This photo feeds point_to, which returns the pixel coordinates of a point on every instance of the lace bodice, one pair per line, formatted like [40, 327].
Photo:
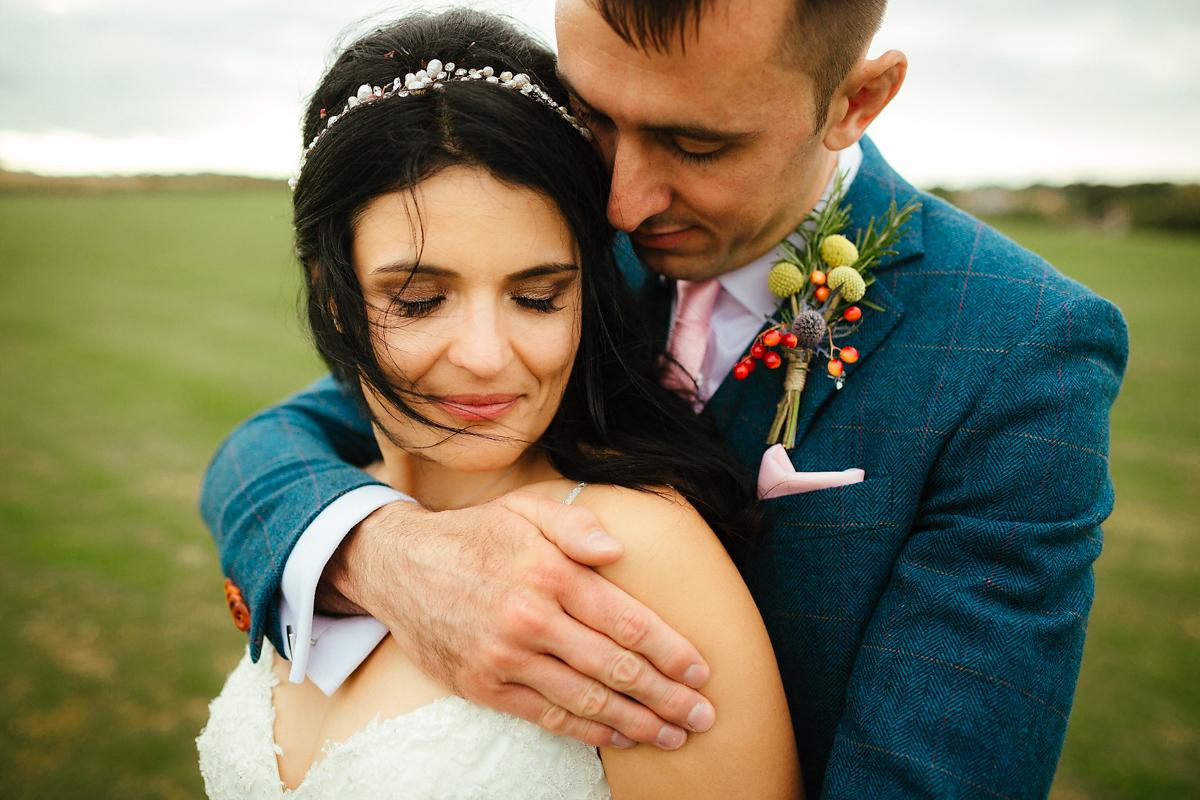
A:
[446, 750]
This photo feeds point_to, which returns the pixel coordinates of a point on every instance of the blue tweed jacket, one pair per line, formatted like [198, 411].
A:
[929, 621]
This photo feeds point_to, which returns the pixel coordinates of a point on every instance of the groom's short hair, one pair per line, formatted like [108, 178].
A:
[825, 39]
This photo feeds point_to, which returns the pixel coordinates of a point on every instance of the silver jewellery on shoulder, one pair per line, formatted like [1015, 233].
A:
[435, 76]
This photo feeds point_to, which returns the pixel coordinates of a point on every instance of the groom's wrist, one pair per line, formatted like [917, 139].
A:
[357, 574]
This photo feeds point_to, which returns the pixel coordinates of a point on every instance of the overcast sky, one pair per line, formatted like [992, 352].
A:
[1011, 92]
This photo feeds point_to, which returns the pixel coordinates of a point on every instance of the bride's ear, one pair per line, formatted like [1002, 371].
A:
[331, 310]
[864, 93]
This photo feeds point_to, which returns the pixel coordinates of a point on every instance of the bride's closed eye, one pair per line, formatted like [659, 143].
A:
[543, 301]
[416, 307]
[544, 305]
[543, 296]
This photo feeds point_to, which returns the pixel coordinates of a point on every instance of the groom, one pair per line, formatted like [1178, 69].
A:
[928, 621]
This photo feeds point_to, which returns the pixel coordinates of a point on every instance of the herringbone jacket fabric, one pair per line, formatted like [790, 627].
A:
[929, 621]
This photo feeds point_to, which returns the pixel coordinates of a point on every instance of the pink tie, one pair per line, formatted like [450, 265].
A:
[689, 335]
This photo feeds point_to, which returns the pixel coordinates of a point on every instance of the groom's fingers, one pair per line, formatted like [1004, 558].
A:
[523, 702]
[607, 609]
[582, 698]
[598, 603]
[627, 674]
[573, 529]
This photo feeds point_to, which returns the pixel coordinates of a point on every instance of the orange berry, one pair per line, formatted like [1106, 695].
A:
[849, 355]
[822, 294]
[772, 337]
[772, 360]
[835, 368]
[852, 314]
[817, 278]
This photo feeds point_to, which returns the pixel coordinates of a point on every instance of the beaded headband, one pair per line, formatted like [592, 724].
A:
[435, 76]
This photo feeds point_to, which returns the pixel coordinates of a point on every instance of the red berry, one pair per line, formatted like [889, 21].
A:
[772, 360]
[790, 340]
[757, 350]
[852, 314]
[817, 278]
[741, 371]
[772, 337]
[835, 368]
[849, 355]
[822, 294]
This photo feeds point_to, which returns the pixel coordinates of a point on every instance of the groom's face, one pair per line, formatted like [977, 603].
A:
[714, 146]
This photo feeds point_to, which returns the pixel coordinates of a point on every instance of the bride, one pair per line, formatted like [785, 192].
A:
[449, 217]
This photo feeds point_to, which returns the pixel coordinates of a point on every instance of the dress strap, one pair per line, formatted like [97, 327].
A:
[570, 498]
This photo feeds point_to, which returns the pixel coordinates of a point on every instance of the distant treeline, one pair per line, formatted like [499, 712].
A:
[1153, 205]
[29, 181]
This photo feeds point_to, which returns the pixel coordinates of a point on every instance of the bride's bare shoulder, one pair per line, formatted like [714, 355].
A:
[635, 517]
[675, 565]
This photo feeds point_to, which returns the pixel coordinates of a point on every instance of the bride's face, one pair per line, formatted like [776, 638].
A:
[473, 294]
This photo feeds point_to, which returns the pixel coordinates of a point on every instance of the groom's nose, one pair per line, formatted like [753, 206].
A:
[639, 187]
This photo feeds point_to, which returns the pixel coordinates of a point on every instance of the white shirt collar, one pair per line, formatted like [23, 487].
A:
[748, 284]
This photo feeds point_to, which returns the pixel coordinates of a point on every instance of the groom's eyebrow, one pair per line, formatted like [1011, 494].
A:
[697, 132]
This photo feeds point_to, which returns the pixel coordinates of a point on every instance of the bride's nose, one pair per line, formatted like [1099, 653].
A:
[480, 343]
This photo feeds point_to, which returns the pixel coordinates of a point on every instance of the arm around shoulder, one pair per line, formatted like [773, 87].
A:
[675, 565]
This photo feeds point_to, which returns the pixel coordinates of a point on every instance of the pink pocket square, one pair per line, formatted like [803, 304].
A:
[778, 478]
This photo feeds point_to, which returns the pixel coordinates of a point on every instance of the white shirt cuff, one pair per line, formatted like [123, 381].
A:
[348, 640]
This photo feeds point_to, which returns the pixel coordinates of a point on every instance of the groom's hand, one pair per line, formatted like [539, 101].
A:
[498, 602]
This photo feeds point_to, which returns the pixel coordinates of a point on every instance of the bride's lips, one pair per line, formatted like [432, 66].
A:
[664, 240]
[477, 406]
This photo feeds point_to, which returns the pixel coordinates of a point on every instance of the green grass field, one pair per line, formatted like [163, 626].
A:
[137, 329]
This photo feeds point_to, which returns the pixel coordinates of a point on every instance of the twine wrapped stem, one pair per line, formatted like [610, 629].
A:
[787, 413]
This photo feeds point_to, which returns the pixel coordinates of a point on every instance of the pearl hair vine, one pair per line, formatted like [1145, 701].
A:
[434, 76]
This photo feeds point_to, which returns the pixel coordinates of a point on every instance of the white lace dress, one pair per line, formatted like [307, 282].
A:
[450, 749]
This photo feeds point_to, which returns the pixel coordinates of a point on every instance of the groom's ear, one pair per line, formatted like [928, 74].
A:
[867, 90]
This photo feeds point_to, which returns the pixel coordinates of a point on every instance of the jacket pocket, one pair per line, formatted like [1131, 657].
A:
[836, 511]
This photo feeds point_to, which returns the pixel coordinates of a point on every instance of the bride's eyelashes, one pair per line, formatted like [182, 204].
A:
[417, 308]
[543, 300]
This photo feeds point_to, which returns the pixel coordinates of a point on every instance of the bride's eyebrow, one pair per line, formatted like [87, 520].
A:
[539, 271]
[543, 270]
[414, 268]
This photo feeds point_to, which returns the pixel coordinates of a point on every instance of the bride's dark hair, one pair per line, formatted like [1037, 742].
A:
[616, 424]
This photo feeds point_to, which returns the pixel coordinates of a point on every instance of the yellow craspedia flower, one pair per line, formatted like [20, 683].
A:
[838, 251]
[847, 281]
[785, 279]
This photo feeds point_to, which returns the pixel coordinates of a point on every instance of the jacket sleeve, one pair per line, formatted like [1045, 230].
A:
[268, 481]
[963, 684]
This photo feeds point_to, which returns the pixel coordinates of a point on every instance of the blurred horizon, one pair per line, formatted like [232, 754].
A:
[1080, 92]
